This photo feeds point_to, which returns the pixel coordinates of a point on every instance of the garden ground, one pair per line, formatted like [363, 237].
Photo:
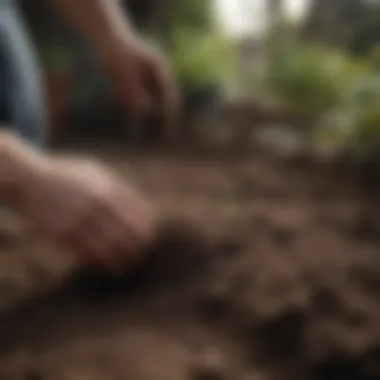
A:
[267, 270]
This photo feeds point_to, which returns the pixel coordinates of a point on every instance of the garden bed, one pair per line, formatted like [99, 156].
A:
[274, 274]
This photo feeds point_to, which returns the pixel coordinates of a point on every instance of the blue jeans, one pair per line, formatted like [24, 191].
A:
[21, 94]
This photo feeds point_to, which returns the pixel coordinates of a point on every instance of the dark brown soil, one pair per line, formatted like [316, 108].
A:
[264, 272]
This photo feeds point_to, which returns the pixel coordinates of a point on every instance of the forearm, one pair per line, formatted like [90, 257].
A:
[103, 23]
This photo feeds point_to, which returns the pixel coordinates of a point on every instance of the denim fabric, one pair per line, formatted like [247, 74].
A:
[21, 96]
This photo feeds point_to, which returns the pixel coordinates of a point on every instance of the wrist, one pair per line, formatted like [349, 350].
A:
[118, 34]
[117, 50]
[103, 23]
[19, 164]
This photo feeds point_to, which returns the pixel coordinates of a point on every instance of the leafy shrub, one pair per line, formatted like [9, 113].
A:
[186, 30]
[356, 123]
[310, 79]
[201, 59]
[339, 93]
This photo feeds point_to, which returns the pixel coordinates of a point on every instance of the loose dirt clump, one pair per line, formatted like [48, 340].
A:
[257, 279]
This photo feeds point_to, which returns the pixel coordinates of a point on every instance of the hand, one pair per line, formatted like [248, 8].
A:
[85, 207]
[140, 75]
[144, 84]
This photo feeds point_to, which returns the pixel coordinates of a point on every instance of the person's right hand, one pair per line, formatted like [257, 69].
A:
[84, 206]
[144, 84]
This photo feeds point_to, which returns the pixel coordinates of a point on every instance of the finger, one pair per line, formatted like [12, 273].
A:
[125, 247]
[88, 244]
[164, 88]
[129, 223]
[123, 242]
[165, 96]
[133, 94]
[124, 225]
[104, 251]
[138, 216]
[87, 239]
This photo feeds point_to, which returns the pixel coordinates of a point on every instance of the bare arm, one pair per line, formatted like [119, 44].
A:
[141, 78]
[103, 23]
[68, 198]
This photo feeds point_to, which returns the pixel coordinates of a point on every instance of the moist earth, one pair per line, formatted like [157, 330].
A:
[261, 270]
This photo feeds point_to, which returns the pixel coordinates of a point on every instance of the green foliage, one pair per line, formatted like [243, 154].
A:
[339, 93]
[186, 30]
[311, 80]
[356, 124]
[201, 59]
[175, 15]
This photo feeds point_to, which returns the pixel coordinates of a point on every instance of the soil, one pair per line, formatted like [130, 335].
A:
[261, 271]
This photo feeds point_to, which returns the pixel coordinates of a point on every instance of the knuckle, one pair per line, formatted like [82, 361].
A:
[102, 196]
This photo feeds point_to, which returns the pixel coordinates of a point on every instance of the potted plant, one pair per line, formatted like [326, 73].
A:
[57, 71]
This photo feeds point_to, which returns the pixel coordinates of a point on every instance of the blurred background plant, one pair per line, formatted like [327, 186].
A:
[311, 79]
[323, 67]
[201, 56]
[335, 87]
[355, 124]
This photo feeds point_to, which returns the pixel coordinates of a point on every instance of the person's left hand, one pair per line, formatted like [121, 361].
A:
[82, 205]
[144, 84]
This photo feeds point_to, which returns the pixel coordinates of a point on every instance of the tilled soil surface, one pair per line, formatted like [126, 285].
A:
[261, 272]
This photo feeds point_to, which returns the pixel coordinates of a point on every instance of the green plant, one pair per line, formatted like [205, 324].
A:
[355, 124]
[339, 94]
[201, 59]
[310, 79]
[174, 16]
[186, 30]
